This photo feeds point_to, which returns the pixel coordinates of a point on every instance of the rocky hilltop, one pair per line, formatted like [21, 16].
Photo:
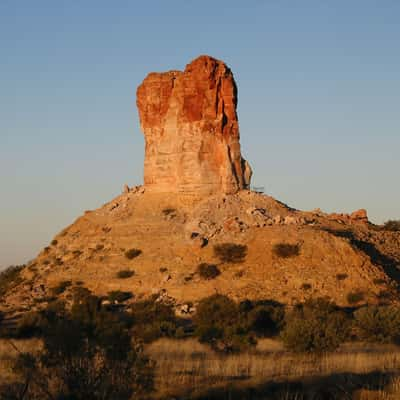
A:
[196, 209]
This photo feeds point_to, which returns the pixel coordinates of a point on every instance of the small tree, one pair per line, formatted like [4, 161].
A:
[392, 225]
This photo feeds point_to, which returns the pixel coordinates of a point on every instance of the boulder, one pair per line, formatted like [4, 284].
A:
[359, 216]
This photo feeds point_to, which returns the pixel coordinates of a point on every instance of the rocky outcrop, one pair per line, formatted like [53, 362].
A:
[191, 130]
[356, 217]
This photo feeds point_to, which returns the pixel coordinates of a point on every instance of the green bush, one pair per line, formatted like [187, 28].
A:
[230, 252]
[286, 250]
[125, 273]
[60, 288]
[315, 326]
[208, 271]
[392, 225]
[132, 253]
[355, 297]
[118, 296]
[378, 323]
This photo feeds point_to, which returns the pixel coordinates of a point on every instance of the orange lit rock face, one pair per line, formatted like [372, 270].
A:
[191, 130]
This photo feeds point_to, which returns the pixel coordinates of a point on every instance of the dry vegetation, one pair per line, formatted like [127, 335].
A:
[192, 369]
[188, 369]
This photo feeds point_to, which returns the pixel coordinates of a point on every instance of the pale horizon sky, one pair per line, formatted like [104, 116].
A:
[319, 99]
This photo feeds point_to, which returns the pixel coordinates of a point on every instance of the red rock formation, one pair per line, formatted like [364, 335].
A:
[191, 130]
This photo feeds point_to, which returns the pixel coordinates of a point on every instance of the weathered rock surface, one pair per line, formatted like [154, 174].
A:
[191, 130]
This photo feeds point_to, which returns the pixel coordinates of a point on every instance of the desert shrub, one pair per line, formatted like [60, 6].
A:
[315, 326]
[132, 253]
[54, 242]
[286, 250]
[60, 288]
[10, 278]
[77, 253]
[87, 354]
[341, 277]
[80, 293]
[355, 297]
[230, 252]
[58, 261]
[220, 324]
[153, 319]
[379, 281]
[385, 295]
[169, 212]
[99, 247]
[378, 323]
[118, 296]
[125, 273]
[265, 320]
[306, 286]
[163, 269]
[392, 225]
[208, 271]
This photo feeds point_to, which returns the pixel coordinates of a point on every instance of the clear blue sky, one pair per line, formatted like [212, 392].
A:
[319, 101]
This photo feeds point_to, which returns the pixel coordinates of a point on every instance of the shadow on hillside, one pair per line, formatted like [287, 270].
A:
[389, 264]
[342, 386]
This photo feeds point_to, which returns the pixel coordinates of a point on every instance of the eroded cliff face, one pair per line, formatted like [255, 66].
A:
[191, 130]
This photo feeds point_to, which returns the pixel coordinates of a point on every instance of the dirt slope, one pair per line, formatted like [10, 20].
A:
[177, 233]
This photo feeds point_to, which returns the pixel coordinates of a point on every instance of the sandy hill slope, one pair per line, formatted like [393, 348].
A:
[176, 233]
